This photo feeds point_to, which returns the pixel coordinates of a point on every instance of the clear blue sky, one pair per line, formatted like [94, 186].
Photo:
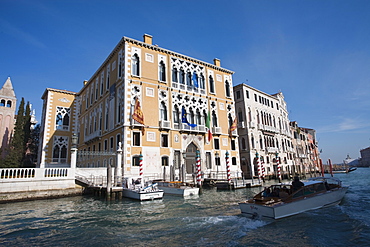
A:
[316, 52]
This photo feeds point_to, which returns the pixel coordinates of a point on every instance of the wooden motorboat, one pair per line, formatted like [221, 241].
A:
[282, 200]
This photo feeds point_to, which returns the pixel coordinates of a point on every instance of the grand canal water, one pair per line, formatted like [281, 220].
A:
[212, 219]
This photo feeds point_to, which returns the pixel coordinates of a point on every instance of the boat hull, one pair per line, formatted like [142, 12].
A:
[181, 191]
[281, 210]
[142, 195]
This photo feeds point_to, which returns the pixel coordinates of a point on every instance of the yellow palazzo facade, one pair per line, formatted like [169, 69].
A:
[177, 94]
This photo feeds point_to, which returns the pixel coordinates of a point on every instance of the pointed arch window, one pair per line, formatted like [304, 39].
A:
[195, 79]
[135, 65]
[182, 76]
[230, 120]
[62, 118]
[188, 78]
[199, 118]
[201, 81]
[261, 143]
[175, 75]
[102, 83]
[60, 149]
[227, 89]
[176, 114]
[162, 71]
[211, 85]
[163, 110]
[108, 80]
[214, 119]
[192, 116]
[96, 88]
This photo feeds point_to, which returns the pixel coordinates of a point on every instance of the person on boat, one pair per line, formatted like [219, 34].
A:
[297, 184]
[266, 192]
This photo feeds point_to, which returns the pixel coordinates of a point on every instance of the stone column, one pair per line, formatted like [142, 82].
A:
[119, 163]
[73, 157]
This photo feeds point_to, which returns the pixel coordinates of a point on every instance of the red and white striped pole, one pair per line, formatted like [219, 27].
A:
[278, 166]
[199, 175]
[141, 166]
[258, 167]
[228, 167]
[322, 168]
[263, 170]
[331, 168]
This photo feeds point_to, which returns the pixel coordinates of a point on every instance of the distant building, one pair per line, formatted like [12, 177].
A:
[306, 157]
[8, 102]
[365, 157]
[264, 132]
[161, 105]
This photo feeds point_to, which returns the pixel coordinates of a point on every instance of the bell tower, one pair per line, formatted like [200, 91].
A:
[8, 103]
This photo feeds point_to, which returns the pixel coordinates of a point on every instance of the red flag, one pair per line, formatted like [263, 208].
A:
[232, 127]
[138, 115]
[208, 125]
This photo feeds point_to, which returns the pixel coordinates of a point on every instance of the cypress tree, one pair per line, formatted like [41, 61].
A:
[17, 147]
[27, 157]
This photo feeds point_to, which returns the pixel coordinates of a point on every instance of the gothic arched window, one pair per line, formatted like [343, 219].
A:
[135, 65]
[162, 71]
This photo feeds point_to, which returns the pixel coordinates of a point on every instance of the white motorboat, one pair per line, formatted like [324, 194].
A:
[282, 200]
[177, 188]
[134, 189]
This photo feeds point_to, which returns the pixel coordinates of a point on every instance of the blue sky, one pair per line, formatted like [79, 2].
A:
[316, 52]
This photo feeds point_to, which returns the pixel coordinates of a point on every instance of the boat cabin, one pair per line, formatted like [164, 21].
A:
[287, 193]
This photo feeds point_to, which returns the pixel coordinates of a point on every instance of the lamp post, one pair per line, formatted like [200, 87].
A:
[74, 140]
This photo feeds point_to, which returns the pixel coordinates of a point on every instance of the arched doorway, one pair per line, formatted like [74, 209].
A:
[190, 161]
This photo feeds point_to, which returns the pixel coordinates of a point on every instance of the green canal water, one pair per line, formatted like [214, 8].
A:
[212, 219]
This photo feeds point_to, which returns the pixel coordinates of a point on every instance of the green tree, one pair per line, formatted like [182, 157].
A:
[30, 158]
[18, 144]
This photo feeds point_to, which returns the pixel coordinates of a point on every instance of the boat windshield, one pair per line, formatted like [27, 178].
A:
[279, 190]
[329, 180]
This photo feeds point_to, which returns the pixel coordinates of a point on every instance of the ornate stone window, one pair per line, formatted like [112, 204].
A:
[211, 85]
[162, 71]
[60, 147]
[135, 65]
[62, 118]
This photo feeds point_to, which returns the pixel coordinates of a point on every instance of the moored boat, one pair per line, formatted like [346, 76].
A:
[282, 200]
[177, 188]
[134, 189]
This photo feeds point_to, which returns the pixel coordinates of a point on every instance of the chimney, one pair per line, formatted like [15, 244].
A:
[85, 82]
[148, 39]
[217, 62]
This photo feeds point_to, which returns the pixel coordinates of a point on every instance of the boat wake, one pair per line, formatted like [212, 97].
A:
[239, 222]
